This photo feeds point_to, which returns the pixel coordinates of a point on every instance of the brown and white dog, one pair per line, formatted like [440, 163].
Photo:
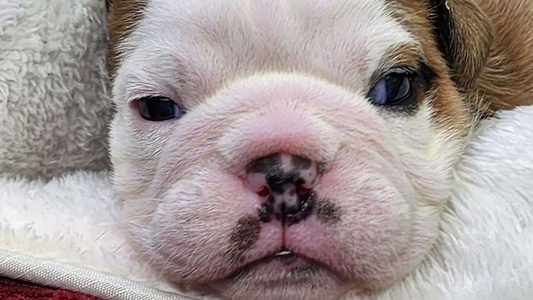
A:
[300, 149]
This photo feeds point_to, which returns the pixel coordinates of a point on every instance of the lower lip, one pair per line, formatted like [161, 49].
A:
[281, 270]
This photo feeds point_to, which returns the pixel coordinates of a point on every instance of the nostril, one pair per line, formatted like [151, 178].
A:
[303, 190]
[264, 192]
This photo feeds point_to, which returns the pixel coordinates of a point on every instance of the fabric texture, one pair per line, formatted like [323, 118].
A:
[84, 277]
[18, 290]
[54, 103]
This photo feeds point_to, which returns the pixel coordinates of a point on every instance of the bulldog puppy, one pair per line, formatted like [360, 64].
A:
[300, 149]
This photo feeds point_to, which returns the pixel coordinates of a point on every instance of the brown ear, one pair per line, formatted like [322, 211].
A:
[465, 35]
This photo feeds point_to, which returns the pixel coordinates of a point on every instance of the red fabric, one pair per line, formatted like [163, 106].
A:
[17, 290]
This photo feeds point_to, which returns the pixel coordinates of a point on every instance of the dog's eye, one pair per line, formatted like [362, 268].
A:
[159, 109]
[394, 89]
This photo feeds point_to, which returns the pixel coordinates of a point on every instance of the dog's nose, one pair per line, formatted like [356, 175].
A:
[286, 183]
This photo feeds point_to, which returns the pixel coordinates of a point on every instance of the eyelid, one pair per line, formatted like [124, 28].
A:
[136, 97]
[409, 70]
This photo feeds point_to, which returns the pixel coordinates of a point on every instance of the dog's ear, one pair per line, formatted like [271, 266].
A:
[464, 34]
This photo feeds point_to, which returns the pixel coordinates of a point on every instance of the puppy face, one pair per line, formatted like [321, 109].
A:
[282, 149]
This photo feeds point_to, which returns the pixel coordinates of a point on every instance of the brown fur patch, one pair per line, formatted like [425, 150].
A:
[404, 54]
[124, 15]
[450, 110]
[492, 60]
[507, 81]
[465, 34]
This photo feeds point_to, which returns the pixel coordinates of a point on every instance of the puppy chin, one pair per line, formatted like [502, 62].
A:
[295, 284]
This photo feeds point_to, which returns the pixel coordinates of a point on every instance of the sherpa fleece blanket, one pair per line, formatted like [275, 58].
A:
[54, 101]
[65, 233]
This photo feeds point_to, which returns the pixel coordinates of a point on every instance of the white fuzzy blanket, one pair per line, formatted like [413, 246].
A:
[54, 103]
[65, 233]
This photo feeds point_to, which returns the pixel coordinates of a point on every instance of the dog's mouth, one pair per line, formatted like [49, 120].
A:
[284, 267]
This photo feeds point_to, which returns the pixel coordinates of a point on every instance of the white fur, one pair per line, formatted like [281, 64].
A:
[483, 252]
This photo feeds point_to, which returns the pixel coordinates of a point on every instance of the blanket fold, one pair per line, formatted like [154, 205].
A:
[51, 273]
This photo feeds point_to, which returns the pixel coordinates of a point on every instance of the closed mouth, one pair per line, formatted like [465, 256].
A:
[284, 267]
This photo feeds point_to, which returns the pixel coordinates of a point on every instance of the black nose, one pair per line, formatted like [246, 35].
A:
[286, 182]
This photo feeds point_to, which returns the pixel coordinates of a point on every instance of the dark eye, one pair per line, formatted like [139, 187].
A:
[395, 89]
[159, 109]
